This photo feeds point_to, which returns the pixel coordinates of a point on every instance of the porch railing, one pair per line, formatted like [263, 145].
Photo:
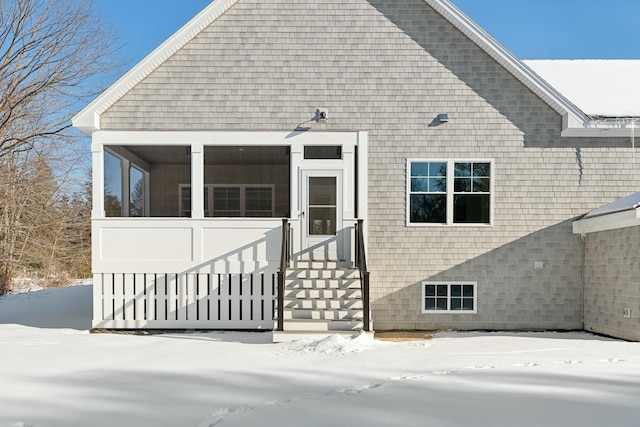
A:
[285, 251]
[361, 264]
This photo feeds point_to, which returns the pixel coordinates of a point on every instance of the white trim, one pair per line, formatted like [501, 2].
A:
[449, 284]
[598, 132]
[248, 138]
[612, 221]
[307, 240]
[88, 120]
[449, 193]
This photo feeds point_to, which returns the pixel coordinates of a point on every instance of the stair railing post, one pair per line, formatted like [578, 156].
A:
[284, 263]
[365, 302]
[361, 264]
[356, 239]
[280, 325]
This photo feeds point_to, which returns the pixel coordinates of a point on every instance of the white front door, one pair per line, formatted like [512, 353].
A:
[321, 220]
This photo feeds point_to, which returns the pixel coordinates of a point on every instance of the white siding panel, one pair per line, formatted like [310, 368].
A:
[146, 244]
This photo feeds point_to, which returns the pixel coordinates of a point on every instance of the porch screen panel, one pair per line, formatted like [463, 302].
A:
[112, 185]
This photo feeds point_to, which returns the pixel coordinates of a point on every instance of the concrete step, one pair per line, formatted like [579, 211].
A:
[323, 283]
[323, 304]
[312, 314]
[292, 294]
[308, 325]
[320, 273]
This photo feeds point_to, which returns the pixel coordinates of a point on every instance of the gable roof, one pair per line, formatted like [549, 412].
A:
[88, 120]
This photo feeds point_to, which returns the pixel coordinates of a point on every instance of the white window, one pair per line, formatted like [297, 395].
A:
[449, 297]
[231, 200]
[449, 192]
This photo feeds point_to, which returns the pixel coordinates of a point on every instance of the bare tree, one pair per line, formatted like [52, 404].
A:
[52, 54]
[49, 52]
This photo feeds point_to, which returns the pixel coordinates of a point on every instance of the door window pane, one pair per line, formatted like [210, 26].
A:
[322, 214]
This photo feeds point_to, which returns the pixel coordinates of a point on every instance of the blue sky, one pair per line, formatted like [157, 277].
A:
[532, 29]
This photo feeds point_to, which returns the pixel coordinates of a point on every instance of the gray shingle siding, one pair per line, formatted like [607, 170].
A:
[389, 67]
[612, 268]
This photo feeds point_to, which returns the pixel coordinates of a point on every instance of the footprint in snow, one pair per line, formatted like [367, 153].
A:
[231, 410]
[445, 372]
[357, 390]
[527, 365]
[569, 362]
[481, 367]
[405, 377]
[280, 402]
[612, 360]
[220, 415]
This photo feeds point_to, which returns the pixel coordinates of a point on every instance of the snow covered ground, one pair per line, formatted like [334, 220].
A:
[54, 373]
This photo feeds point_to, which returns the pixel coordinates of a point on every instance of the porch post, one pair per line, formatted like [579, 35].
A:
[197, 181]
[125, 169]
[295, 193]
[97, 185]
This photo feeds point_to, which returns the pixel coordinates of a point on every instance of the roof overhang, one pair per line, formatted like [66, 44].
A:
[611, 221]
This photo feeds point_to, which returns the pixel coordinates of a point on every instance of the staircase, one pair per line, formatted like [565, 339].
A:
[323, 296]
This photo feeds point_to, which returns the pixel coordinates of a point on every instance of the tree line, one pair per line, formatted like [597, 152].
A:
[52, 54]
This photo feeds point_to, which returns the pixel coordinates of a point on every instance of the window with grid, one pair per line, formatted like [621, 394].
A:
[449, 192]
[256, 200]
[443, 297]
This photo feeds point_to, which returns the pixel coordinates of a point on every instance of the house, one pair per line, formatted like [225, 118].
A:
[281, 150]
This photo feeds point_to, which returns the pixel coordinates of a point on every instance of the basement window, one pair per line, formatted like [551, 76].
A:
[449, 297]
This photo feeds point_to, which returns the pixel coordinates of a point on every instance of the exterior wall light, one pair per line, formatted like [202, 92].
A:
[321, 115]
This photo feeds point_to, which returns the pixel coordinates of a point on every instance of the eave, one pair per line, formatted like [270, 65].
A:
[612, 221]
